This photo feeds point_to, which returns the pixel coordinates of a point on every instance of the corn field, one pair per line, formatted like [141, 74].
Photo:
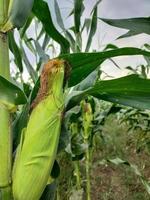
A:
[68, 130]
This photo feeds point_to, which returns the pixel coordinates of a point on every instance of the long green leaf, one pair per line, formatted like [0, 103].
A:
[29, 67]
[58, 15]
[22, 118]
[42, 12]
[84, 63]
[49, 192]
[62, 26]
[26, 26]
[93, 27]
[135, 25]
[16, 51]
[78, 10]
[42, 55]
[10, 94]
[45, 41]
[20, 123]
[129, 90]
[28, 42]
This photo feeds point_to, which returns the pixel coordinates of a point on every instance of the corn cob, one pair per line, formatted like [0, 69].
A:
[38, 147]
[18, 12]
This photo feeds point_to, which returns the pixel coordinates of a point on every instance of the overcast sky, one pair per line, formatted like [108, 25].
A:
[123, 9]
[107, 34]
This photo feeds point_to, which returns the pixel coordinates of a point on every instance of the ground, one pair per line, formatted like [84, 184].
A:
[109, 181]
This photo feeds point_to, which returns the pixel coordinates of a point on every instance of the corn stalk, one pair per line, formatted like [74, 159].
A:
[87, 129]
[5, 133]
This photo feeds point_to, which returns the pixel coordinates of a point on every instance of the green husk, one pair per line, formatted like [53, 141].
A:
[37, 150]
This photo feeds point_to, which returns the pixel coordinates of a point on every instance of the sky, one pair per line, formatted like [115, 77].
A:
[123, 9]
[107, 34]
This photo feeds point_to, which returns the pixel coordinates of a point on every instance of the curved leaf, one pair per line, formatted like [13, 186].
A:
[19, 123]
[49, 192]
[93, 27]
[78, 10]
[135, 25]
[22, 118]
[84, 63]
[129, 90]
[26, 26]
[29, 67]
[58, 15]
[42, 12]
[10, 93]
[16, 51]
[55, 170]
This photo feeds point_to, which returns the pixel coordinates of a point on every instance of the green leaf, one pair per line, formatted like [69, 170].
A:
[16, 51]
[84, 63]
[55, 170]
[28, 42]
[71, 40]
[128, 34]
[78, 10]
[43, 57]
[93, 27]
[129, 90]
[29, 67]
[42, 12]
[45, 41]
[58, 15]
[20, 123]
[22, 118]
[135, 25]
[86, 25]
[49, 192]
[110, 47]
[10, 94]
[62, 26]
[64, 137]
[26, 26]
[88, 81]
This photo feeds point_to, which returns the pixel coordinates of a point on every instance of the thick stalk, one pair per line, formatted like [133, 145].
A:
[4, 56]
[58, 193]
[3, 10]
[77, 174]
[5, 133]
[87, 164]
[87, 130]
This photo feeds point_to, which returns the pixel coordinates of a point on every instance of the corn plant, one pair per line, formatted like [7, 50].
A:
[32, 127]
